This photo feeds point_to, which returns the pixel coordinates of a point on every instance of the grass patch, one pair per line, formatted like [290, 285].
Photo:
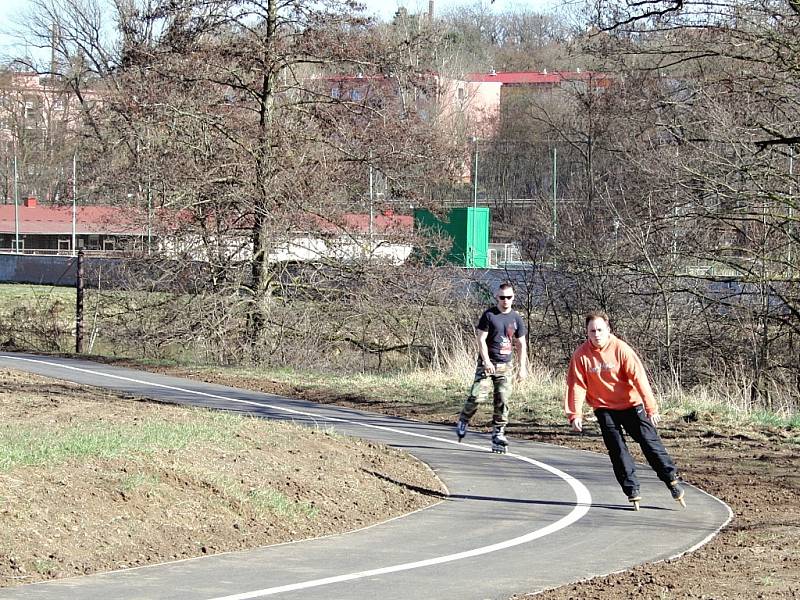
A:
[264, 501]
[269, 500]
[435, 392]
[423, 388]
[538, 399]
[137, 481]
[44, 566]
[29, 445]
[794, 423]
[767, 581]
[18, 294]
[767, 419]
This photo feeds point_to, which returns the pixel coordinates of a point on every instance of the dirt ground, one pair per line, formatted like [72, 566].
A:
[756, 556]
[264, 483]
[754, 470]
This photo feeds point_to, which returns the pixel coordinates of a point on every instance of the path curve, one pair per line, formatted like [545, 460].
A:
[479, 543]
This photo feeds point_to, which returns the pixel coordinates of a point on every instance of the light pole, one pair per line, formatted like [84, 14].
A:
[475, 175]
[16, 204]
[74, 201]
[371, 203]
[555, 192]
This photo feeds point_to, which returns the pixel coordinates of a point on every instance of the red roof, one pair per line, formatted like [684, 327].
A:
[126, 220]
[359, 223]
[380, 223]
[57, 220]
[533, 77]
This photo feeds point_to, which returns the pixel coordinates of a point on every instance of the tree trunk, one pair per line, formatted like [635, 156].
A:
[261, 283]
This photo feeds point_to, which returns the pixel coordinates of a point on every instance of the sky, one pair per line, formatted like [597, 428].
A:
[383, 9]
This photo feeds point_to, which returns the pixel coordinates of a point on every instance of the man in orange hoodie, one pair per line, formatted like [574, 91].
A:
[607, 374]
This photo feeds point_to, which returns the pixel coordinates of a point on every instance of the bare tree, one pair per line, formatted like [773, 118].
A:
[712, 91]
[514, 40]
[241, 126]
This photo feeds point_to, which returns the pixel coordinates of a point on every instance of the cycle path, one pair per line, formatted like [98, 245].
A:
[539, 517]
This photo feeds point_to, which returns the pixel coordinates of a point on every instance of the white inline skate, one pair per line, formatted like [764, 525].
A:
[499, 440]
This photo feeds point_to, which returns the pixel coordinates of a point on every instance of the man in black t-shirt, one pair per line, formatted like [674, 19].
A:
[500, 332]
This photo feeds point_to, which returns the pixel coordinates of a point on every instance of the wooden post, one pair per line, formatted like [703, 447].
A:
[79, 306]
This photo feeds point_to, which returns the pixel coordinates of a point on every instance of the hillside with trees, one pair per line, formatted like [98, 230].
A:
[660, 187]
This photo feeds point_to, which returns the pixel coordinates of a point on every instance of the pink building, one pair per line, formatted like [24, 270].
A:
[472, 108]
[38, 117]
[487, 92]
[32, 102]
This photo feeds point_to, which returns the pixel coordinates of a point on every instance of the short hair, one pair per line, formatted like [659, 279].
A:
[505, 285]
[596, 314]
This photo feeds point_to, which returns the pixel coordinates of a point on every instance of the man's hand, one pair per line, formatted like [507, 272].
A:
[577, 424]
[489, 367]
[655, 419]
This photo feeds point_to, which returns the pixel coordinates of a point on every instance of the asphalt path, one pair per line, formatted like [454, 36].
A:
[539, 517]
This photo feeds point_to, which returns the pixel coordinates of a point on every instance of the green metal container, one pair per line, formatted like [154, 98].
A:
[468, 228]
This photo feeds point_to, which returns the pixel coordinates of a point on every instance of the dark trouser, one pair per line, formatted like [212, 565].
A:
[479, 393]
[635, 423]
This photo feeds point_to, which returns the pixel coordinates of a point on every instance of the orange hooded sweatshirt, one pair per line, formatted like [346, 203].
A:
[611, 377]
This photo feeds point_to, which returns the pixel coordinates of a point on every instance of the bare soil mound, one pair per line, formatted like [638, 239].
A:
[90, 481]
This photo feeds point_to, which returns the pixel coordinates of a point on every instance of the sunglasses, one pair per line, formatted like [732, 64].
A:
[505, 297]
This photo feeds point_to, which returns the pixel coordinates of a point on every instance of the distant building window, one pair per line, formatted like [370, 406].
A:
[336, 92]
[357, 95]
[462, 94]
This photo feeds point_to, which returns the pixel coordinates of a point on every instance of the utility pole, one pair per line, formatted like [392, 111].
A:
[555, 192]
[74, 201]
[16, 204]
[475, 176]
[371, 203]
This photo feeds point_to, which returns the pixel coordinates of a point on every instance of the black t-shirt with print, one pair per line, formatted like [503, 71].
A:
[501, 327]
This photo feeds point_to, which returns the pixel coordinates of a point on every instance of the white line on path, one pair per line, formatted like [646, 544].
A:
[583, 499]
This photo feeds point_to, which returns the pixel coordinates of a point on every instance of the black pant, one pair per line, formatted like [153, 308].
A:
[635, 423]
